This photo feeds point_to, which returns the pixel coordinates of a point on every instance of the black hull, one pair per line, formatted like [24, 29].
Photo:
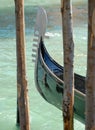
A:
[50, 82]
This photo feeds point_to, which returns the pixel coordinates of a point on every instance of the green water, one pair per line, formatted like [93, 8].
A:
[43, 116]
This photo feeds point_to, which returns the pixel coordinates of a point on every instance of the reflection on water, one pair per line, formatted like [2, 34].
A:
[43, 116]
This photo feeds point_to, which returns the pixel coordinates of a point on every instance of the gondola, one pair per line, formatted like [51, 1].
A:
[49, 80]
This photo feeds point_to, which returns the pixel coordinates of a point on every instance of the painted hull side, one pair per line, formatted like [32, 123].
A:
[51, 87]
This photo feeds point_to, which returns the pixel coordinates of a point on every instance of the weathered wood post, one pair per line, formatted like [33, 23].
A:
[68, 44]
[22, 89]
[90, 80]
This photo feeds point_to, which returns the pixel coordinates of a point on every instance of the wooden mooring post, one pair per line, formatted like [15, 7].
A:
[22, 89]
[90, 78]
[68, 44]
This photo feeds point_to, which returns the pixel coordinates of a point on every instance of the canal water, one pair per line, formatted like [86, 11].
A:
[43, 116]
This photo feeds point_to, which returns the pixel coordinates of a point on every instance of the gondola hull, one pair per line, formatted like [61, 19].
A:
[50, 82]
